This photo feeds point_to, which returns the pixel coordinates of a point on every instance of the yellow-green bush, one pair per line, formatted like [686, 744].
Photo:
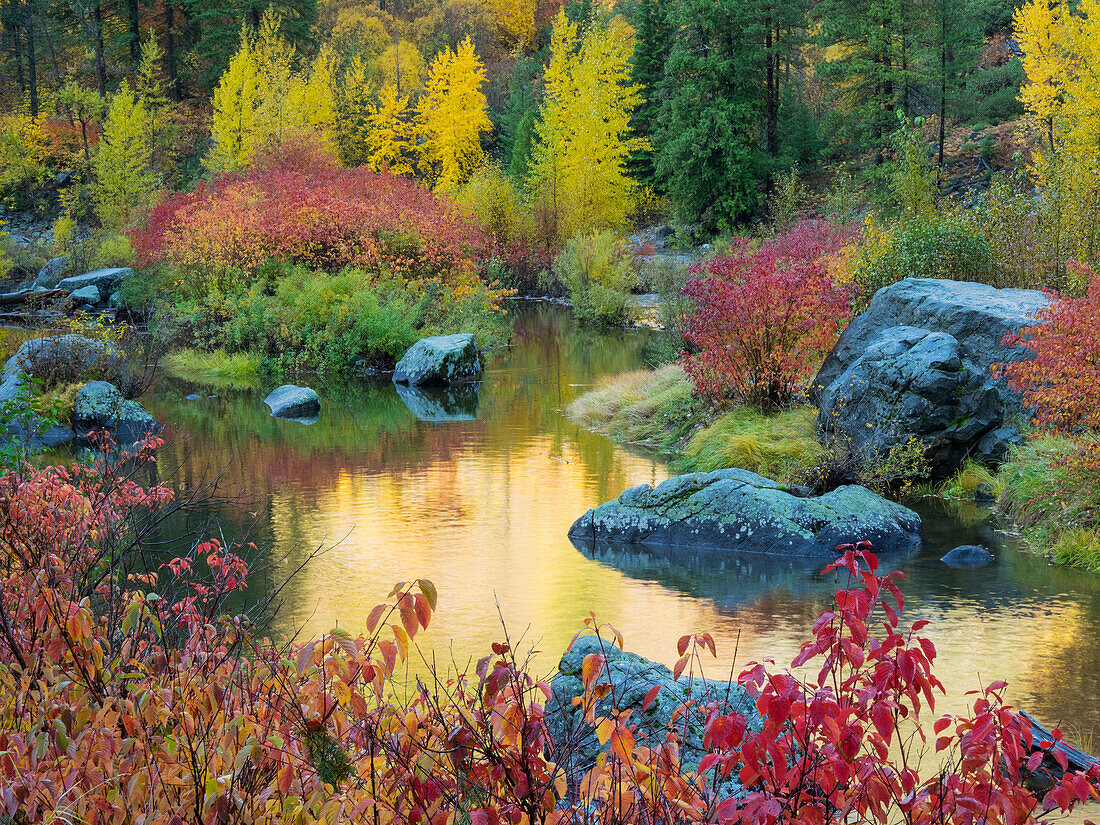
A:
[782, 446]
[599, 274]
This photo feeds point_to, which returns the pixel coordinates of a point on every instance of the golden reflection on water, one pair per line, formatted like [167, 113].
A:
[482, 508]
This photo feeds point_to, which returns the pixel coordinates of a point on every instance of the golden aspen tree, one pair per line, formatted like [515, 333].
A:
[515, 20]
[391, 136]
[235, 131]
[124, 179]
[584, 135]
[400, 66]
[354, 106]
[1061, 44]
[312, 102]
[452, 115]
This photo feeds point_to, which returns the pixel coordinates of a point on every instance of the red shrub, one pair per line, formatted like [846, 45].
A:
[1061, 384]
[764, 319]
[314, 213]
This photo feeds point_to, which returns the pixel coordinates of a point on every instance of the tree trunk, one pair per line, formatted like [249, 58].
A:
[32, 67]
[943, 79]
[170, 51]
[135, 32]
[17, 51]
[772, 83]
[97, 43]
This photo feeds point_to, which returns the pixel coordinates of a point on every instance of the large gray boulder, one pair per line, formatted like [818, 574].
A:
[54, 270]
[85, 296]
[100, 406]
[918, 364]
[105, 280]
[444, 359]
[289, 401]
[631, 677]
[737, 510]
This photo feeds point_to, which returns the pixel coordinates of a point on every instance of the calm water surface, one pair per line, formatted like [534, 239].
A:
[482, 506]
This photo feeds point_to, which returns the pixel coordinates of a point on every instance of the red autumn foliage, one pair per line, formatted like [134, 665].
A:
[129, 694]
[305, 208]
[1061, 382]
[764, 318]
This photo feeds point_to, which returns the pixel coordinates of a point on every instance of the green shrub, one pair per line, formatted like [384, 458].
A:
[938, 247]
[598, 272]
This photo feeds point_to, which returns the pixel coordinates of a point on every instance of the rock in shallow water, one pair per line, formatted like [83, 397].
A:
[738, 510]
[968, 555]
[289, 401]
[444, 359]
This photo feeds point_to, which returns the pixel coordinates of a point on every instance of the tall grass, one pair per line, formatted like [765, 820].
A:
[658, 408]
[219, 369]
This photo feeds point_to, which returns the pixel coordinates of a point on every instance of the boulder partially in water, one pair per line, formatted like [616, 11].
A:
[443, 359]
[917, 364]
[289, 401]
[99, 405]
[738, 510]
[968, 555]
[631, 677]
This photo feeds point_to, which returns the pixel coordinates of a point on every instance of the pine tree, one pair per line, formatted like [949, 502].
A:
[515, 129]
[452, 116]
[957, 38]
[354, 106]
[124, 180]
[707, 147]
[652, 44]
[584, 136]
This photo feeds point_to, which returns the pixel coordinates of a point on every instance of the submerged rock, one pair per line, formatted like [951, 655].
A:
[917, 364]
[968, 555]
[289, 401]
[738, 510]
[444, 359]
[631, 677]
[441, 404]
[100, 406]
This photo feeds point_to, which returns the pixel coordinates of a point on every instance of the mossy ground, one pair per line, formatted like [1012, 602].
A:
[1054, 503]
[658, 409]
[214, 369]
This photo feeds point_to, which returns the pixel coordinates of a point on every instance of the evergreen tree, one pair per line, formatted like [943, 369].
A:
[652, 43]
[956, 40]
[707, 147]
[516, 122]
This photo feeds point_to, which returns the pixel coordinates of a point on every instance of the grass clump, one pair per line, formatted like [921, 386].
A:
[651, 407]
[968, 479]
[782, 446]
[1053, 500]
[239, 370]
[658, 408]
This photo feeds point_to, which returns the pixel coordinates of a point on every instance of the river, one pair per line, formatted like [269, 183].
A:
[481, 506]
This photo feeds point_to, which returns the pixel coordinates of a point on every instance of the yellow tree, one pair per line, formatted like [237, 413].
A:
[452, 116]
[391, 134]
[584, 135]
[235, 132]
[124, 180]
[515, 20]
[1061, 44]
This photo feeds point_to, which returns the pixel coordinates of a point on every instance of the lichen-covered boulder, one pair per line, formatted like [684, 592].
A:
[918, 365]
[63, 357]
[444, 359]
[631, 677]
[100, 406]
[290, 401]
[54, 270]
[738, 510]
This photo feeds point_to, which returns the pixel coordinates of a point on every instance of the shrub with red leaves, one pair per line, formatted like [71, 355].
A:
[765, 318]
[308, 210]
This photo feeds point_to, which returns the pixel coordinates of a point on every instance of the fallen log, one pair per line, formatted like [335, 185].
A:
[1050, 771]
[10, 298]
